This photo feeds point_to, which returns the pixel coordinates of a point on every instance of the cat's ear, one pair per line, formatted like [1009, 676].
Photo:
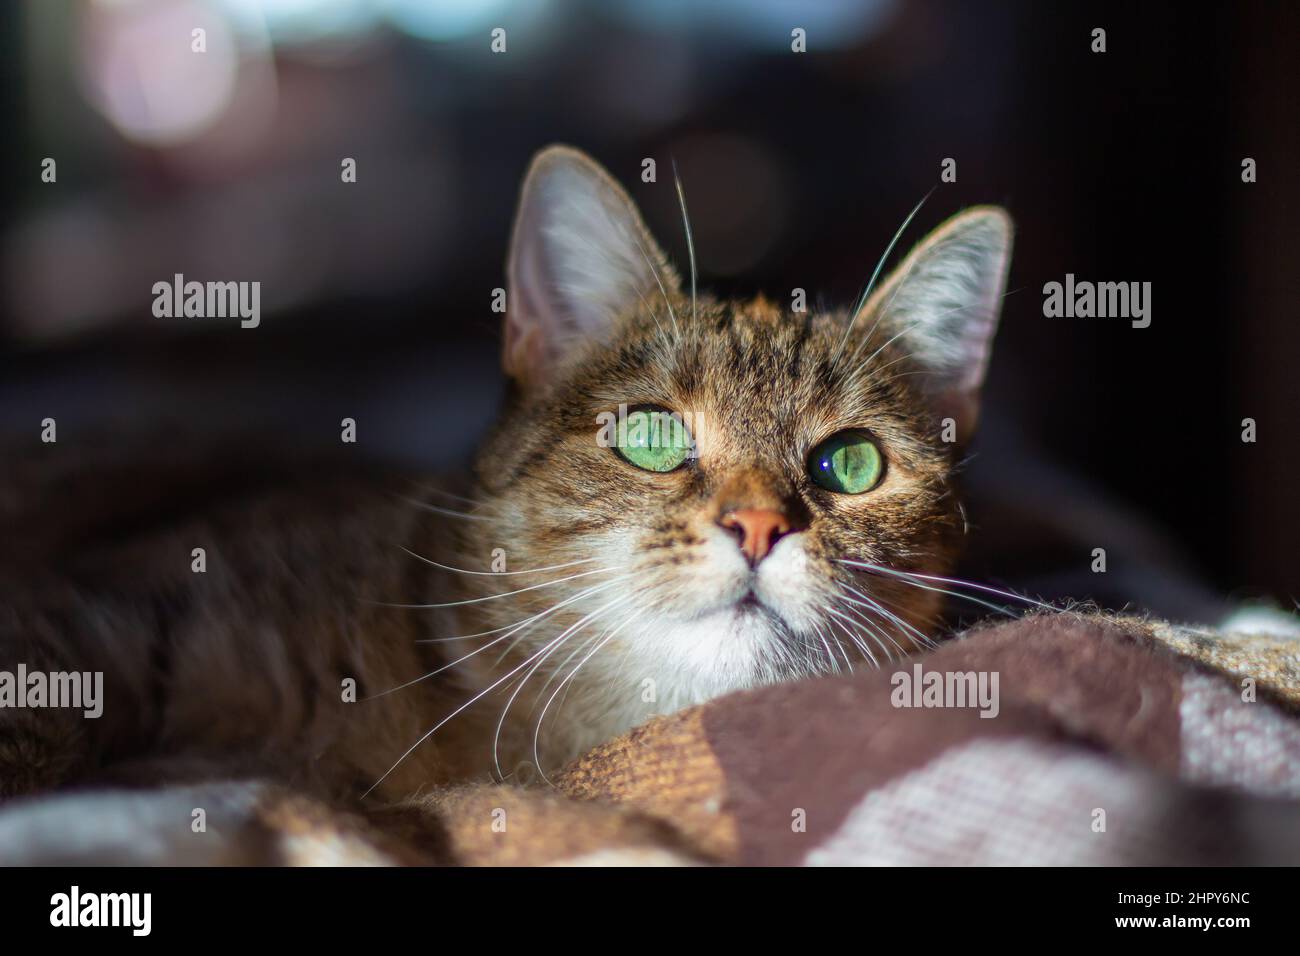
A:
[580, 257]
[943, 303]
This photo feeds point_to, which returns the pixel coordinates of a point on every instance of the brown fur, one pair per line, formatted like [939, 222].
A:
[765, 386]
[238, 671]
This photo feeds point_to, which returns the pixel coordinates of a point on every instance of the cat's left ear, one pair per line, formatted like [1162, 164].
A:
[580, 259]
[943, 304]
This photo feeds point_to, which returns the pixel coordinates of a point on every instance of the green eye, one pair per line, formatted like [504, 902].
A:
[654, 439]
[848, 462]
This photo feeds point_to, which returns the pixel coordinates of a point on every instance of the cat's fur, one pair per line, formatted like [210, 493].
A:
[624, 594]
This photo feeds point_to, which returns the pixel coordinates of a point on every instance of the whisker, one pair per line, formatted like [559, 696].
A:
[690, 238]
[655, 272]
[807, 665]
[437, 509]
[915, 578]
[468, 637]
[839, 646]
[873, 604]
[478, 650]
[568, 633]
[833, 663]
[459, 710]
[434, 489]
[958, 582]
[899, 334]
[559, 668]
[538, 730]
[881, 313]
[873, 633]
[850, 632]
[497, 574]
[866, 293]
[885, 309]
[659, 282]
[653, 314]
[957, 594]
[507, 627]
[513, 644]
[497, 597]
[893, 611]
[881, 634]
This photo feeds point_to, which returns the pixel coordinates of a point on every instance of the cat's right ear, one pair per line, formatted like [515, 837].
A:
[580, 259]
[942, 304]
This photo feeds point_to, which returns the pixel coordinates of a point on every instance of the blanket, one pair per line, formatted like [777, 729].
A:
[1057, 738]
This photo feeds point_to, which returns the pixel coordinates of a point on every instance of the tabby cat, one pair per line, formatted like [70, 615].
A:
[683, 497]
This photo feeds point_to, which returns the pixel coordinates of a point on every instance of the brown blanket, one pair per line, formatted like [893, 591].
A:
[1108, 741]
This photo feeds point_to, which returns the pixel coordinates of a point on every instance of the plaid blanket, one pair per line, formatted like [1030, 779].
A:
[1054, 739]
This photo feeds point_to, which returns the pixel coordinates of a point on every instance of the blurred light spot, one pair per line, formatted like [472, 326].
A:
[737, 199]
[39, 257]
[638, 82]
[766, 23]
[299, 21]
[143, 76]
[456, 19]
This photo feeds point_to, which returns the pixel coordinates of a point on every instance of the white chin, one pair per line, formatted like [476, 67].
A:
[690, 662]
[728, 649]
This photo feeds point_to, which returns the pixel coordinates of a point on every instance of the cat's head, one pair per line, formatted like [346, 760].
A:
[707, 549]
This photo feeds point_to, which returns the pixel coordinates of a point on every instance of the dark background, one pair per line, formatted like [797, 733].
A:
[1121, 166]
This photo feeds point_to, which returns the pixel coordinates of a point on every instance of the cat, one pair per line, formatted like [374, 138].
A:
[683, 497]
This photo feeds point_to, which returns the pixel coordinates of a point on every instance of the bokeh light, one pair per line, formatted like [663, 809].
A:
[141, 71]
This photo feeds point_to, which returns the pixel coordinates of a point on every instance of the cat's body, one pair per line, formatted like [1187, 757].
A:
[237, 669]
[571, 589]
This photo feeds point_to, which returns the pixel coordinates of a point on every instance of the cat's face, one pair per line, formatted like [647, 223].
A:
[694, 477]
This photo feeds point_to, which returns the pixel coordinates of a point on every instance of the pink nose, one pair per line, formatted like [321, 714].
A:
[759, 530]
